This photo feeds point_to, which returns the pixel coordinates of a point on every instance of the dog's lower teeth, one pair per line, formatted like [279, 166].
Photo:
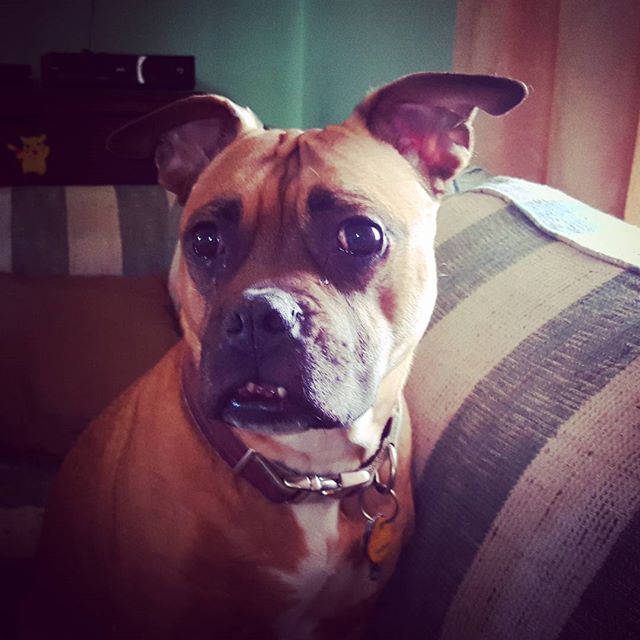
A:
[267, 391]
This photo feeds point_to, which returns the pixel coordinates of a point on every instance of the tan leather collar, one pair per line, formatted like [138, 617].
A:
[279, 483]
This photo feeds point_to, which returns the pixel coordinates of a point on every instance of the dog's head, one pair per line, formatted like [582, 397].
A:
[307, 274]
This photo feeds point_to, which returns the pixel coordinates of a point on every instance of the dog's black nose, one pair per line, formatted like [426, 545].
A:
[263, 318]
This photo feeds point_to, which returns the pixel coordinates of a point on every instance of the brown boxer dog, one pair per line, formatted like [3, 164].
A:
[256, 482]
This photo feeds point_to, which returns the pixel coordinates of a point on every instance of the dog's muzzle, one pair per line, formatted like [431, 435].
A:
[261, 340]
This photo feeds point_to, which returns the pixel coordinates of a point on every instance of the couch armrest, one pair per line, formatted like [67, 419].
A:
[524, 398]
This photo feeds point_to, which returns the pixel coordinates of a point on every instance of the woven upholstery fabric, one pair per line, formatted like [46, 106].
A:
[525, 400]
[103, 230]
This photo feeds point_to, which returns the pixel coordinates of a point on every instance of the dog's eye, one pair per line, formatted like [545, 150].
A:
[360, 237]
[206, 241]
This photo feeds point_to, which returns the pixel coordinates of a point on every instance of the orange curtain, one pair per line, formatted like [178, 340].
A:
[579, 130]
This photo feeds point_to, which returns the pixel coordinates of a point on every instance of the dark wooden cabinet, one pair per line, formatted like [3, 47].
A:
[57, 136]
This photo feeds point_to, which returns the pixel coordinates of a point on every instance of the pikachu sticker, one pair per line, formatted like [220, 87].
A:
[33, 154]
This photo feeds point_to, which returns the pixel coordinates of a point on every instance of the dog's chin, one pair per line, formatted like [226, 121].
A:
[270, 417]
[271, 413]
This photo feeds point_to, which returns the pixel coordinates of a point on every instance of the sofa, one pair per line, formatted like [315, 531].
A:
[525, 400]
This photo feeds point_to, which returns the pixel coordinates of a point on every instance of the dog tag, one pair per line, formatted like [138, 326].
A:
[377, 543]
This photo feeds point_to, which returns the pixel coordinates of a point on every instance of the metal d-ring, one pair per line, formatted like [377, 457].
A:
[380, 486]
[396, 507]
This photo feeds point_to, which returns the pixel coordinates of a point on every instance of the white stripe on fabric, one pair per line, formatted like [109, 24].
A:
[461, 211]
[95, 246]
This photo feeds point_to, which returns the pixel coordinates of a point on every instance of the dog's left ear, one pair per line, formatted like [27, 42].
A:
[184, 137]
[427, 117]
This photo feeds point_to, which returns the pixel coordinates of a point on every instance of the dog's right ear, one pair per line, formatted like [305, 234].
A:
[183, 137]
[427, 117]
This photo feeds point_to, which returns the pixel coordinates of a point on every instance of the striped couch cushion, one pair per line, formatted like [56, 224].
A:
[525, 398]
[101, 230]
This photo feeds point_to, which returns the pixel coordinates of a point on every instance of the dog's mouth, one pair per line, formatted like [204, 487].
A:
[260, 406]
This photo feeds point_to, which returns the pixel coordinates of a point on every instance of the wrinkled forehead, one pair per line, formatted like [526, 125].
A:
[267, 168]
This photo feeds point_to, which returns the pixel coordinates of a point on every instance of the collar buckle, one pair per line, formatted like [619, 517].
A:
[324, 485]
[348, 480]
[331, 485]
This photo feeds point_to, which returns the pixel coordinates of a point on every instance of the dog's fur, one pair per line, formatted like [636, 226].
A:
[149, 533]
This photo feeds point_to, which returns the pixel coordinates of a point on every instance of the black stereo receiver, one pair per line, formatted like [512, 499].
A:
[88, 69]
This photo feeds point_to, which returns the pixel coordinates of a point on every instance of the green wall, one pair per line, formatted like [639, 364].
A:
[355, 45]
[294, 62]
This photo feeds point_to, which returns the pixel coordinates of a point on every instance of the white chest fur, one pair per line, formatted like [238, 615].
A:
[323, 582]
